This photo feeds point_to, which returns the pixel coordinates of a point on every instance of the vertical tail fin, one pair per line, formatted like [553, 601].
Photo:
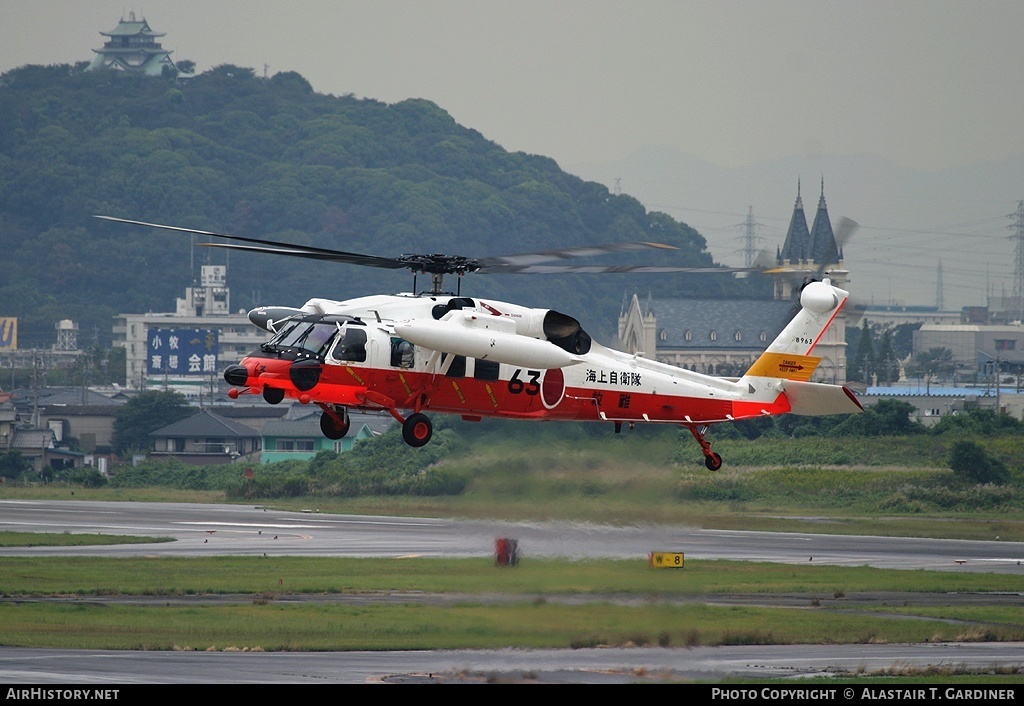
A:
[789, 356]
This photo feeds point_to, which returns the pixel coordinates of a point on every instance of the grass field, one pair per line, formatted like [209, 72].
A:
[893, 486]
[896, 487]
[248, 603]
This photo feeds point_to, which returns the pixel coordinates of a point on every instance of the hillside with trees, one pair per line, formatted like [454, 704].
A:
[227, 151]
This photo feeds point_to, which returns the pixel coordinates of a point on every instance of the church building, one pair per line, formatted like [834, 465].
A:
[724, 337]
[132, 47]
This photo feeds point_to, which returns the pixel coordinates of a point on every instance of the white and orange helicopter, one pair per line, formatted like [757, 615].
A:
[437, 351]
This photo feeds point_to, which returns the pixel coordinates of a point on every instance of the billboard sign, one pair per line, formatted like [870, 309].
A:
[179, 352]
[8, 333]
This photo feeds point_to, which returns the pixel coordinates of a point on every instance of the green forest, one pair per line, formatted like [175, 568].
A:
[227, 151]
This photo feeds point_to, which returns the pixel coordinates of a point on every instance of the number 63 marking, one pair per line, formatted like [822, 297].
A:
[532, 387]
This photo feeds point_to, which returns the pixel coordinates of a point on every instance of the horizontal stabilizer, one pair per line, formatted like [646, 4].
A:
[818, 399]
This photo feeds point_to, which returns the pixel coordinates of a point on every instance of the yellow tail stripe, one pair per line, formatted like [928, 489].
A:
[785, 365]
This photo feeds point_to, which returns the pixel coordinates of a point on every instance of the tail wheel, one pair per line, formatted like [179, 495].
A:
[273, 395]
[335, 426]
[711, 460]
[417, 429]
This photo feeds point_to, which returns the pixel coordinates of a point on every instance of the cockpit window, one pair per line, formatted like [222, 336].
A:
[313, 337]
[318, 337]
[288, 335]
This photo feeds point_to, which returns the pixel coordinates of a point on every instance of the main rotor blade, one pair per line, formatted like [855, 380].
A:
[316, 254]
[523, 263]
[599, 269]
[289, 249]
[532, 258]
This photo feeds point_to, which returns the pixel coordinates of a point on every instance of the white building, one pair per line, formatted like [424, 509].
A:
[132, 47]
[187, 350]
[977, 348]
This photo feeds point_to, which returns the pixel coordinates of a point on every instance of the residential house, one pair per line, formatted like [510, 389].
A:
[301, 439]
[206, 438]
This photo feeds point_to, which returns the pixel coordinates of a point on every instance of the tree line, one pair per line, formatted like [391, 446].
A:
[387, 466]
[228, 151]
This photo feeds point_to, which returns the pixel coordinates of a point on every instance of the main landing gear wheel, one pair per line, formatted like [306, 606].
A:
[417, 429]
[273, 395]
[333, 428]
[713, 461]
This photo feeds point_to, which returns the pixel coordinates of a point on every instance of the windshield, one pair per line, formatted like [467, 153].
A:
[313, 337]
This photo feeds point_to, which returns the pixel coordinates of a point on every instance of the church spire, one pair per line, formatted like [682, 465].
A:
[823, 250]
[796, 248]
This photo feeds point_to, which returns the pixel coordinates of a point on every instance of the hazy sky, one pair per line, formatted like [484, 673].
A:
[928, 84]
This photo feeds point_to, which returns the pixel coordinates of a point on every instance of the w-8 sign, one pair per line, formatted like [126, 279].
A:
[665, 560]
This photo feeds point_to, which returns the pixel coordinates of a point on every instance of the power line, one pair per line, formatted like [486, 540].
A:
[1018, 269]
[750, 238]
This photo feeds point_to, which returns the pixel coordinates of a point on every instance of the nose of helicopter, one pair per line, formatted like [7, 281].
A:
[236, 375]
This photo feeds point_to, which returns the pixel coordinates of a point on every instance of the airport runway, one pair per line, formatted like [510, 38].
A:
[585, 666]
[252, 530]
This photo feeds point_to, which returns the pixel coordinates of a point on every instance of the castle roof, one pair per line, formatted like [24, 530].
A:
[823, 248]
[132, 47]
[131, 28]
[817, 245]
[735, 323]
[798, 238]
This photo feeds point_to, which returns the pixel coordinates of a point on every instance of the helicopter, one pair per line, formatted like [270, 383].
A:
[437, 351]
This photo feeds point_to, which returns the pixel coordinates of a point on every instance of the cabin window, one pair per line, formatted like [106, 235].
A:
[352, 347]
[401, 353]
[457, 368]
[486, 370]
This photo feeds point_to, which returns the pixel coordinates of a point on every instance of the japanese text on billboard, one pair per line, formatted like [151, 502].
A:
[181, 352]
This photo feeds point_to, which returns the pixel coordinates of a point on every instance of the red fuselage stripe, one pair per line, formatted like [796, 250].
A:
[364, 387]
